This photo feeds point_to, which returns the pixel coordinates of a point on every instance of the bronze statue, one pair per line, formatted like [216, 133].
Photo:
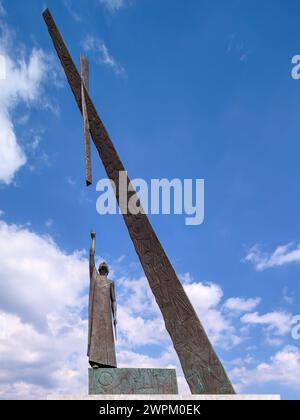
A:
[102, 311]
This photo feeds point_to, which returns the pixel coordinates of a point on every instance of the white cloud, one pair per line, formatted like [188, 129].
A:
[283, 254]
[37, 279]
[32, 361]
[12, 156]
[94, 45]
[204, 296]
[43, 293]
[241, 304]
[278, 323]
[2, 67]
[206, 299]
[282, 369]
[137, 331]
[140, 322]
[113, 5]
[134, 359]
[186, 278]
[137, 297]
[23, 84]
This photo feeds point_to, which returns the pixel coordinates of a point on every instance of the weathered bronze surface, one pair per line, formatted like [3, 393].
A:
[201, 366]
[84, 65]
[102, 308]
[132, 381]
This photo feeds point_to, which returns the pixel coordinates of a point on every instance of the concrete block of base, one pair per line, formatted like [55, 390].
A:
[132, 381]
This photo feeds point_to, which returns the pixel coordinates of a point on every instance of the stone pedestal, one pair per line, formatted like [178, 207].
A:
[132, 381]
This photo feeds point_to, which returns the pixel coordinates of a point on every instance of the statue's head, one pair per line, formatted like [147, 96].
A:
[103, 269]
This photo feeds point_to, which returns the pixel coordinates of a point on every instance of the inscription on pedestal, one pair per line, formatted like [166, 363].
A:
[132, 381]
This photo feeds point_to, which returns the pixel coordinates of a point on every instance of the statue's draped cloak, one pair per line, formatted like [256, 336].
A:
[101, 345]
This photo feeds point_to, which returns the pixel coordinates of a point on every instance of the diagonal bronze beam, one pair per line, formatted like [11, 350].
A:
[201, 366]
[84, 65]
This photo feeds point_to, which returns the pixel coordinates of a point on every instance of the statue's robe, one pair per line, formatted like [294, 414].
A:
[101, 345]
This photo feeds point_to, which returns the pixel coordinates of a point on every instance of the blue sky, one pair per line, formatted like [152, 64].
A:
[186, 89]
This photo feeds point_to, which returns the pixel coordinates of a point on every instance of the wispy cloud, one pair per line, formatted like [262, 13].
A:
[96, 46]
[237, 47]
[113, 5]
[2, 10]
[69, 6]
[71, 181]
[49, 223]
[287, 297]
[283, 254]
[121, 258]
[277, 323]
[241, 304]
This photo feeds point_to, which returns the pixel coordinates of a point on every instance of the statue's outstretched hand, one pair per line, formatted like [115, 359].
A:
[93, 234]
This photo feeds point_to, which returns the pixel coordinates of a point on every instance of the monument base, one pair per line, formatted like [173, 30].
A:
[132, 381]
[160, 397]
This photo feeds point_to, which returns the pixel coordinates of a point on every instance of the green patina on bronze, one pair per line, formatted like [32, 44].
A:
[132, 381]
